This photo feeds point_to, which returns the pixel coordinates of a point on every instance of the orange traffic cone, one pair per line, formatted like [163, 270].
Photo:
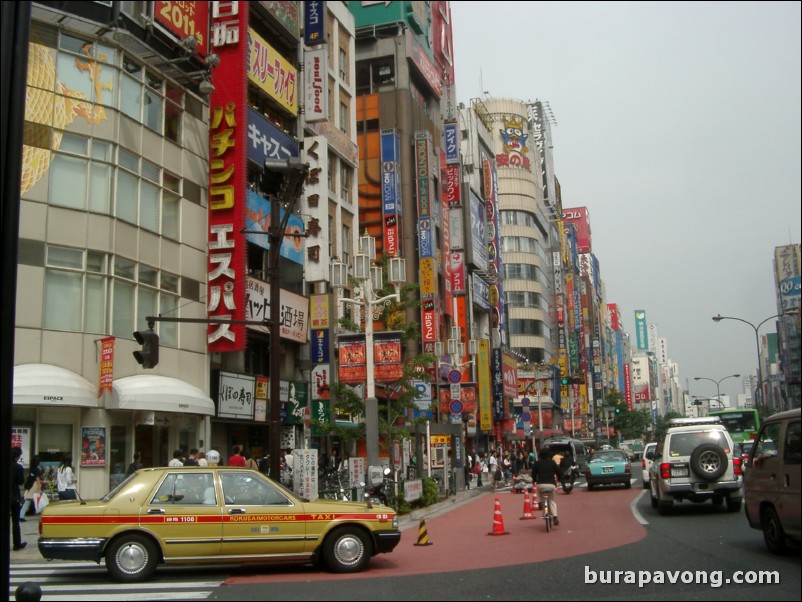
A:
[423, 536]
[498, 521]
[528, 514]
[535, 502]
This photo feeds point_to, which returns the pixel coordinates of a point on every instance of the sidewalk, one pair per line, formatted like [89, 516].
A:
[30, 528]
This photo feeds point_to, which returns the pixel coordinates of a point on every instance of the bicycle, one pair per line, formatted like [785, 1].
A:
[547, 509]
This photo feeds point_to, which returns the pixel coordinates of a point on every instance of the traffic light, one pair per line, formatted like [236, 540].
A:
[272, 178]
[148, 356]
[564, 381]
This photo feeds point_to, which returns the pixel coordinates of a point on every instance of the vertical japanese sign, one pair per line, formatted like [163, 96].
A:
[314, 24]
[484, 394]
[641, 335]
[391, 192]
[106, 376]
[228, 128]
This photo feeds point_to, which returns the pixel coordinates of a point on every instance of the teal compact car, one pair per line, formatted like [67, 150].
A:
[605, 467]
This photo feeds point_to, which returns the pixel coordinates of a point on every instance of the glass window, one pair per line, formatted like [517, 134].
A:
[168, 331]
[95, 304]
[100, 188]
[62, 306]
[124, 309]
[68, 181]
[126, 197]
[131, 97]
[249, 490]
[792, 451]
[766, 446]
[149, 208]
[124, 268]
[65, 258]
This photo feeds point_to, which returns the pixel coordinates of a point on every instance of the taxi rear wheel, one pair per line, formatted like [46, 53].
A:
[132, 558]
[347, 550]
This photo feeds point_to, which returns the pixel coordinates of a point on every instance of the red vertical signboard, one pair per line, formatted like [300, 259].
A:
[228, 128]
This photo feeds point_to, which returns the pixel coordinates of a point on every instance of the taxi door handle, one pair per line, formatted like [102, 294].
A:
[156, 511]
[236, 510]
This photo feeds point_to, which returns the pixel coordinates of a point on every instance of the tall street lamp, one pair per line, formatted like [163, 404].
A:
[759, 388]
[371, 279]
[718, 383]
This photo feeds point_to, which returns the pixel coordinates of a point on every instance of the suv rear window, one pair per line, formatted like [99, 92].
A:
[683, 444]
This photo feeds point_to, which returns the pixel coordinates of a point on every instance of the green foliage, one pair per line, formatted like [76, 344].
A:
[632, 424]
[430, 494]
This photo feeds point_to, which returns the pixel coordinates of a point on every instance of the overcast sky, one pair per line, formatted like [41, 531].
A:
[678, 127]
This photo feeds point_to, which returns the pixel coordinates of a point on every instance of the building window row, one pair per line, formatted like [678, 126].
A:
[523, 299]
[91, 291]
[100, 75]
[518, 218]
[526, 328]
[521, 271]
[522, 244]
[84, 175]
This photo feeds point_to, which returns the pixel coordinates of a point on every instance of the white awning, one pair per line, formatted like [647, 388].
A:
[45, 384]
[159, 394]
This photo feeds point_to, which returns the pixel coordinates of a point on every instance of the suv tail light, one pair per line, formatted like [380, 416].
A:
[643, 463]
[736, 466]
[665, 470]
[627, 469]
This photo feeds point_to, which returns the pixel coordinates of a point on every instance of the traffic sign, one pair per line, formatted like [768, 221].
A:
[455, 391]
[455, 407]
[525, 402]
[454, 376]
[526, 416]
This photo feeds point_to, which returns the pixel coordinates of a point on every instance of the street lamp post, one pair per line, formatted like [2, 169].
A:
[718, 384]
[762, 401]
[370, 277]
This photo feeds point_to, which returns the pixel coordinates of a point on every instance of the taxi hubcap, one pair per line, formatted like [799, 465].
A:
[348, 550]
[132, 558]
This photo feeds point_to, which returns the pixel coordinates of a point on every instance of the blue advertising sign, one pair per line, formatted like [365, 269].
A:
[478, 248]
[266, 141]
[257, 217]
[314, 22]
[481, 292]
[451, 142]
[640, 330]
[319, 352]
[425, 243]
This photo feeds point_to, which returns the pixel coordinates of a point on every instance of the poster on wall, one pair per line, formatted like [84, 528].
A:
[93, 446]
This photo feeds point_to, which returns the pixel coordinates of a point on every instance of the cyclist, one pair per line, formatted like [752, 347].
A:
[546, 474]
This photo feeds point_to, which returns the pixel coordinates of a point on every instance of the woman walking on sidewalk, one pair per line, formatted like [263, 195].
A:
[33, 486]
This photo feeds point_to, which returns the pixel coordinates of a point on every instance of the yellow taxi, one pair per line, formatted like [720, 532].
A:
[212, 515]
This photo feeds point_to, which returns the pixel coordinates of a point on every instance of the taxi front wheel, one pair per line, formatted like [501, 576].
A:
[347, 550]
[131, 558]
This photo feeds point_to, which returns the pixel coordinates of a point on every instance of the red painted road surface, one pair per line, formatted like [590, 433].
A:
[589, 522]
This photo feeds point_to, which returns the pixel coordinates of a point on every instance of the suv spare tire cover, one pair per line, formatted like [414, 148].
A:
[709, 461]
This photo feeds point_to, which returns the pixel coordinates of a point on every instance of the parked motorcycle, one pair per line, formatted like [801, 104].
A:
[383, 491]
[569, 475]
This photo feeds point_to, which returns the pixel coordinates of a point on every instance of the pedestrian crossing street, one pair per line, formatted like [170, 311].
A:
[87, 581]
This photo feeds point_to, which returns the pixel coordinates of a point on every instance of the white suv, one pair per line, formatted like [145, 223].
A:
[695, 462]
[646, 462]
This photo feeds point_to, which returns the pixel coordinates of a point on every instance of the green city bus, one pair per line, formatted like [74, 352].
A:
[742, 423]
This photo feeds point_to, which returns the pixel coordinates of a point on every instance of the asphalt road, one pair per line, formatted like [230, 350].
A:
[601, 532]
